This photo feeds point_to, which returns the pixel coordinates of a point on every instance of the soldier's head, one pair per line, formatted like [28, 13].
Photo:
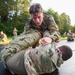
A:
[66, 52]
[1, 32]
[36, 12]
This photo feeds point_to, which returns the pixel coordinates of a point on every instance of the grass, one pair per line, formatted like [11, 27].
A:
[63, 38]
[6, 42]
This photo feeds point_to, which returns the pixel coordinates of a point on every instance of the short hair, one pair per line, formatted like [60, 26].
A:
[66, 52]
[35, 8]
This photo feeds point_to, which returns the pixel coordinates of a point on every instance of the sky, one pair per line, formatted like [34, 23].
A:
[59, 6]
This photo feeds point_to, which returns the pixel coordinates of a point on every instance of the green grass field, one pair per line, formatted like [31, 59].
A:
[6, 42]
[63, 38]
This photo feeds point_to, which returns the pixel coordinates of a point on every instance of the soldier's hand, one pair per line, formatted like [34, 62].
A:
[45, 40]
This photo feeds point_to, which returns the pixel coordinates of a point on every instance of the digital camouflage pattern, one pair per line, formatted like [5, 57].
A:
[42, 59]
[21, 42]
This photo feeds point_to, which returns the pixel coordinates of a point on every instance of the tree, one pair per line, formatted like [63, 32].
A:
[13, 13]
[50, 11]
[65, 23]
[74, 28]
[57, 18]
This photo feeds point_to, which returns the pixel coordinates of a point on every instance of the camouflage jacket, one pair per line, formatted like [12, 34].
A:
[19, 43]
[42, 59]
[48, 24]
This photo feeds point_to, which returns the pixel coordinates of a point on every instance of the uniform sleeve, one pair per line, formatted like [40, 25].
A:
[28, 29]
[53, 31]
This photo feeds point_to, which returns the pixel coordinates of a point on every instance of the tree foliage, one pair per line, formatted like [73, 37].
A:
[63, 21]
[13, 13]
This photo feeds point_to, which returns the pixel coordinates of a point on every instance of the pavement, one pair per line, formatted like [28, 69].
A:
[67, 68]
[2, 46]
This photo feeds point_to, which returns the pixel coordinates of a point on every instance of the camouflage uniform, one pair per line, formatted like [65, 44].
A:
[3, 36]
[42, 59]
[70, 36]
[14, 33]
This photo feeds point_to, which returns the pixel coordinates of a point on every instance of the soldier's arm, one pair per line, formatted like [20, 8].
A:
[53, 31]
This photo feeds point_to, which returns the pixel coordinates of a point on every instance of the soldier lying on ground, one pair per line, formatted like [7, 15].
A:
[3, 36]
[40, 60]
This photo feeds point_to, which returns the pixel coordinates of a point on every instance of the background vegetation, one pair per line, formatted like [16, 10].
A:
[14, 13]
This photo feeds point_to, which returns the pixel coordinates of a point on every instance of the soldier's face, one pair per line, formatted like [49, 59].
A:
[37, 18]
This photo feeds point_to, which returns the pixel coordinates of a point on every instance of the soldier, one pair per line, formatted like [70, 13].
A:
[15, 32]
[41, 26]
[64, 35]
[70, 36]
[3, 36]
[40, 60]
